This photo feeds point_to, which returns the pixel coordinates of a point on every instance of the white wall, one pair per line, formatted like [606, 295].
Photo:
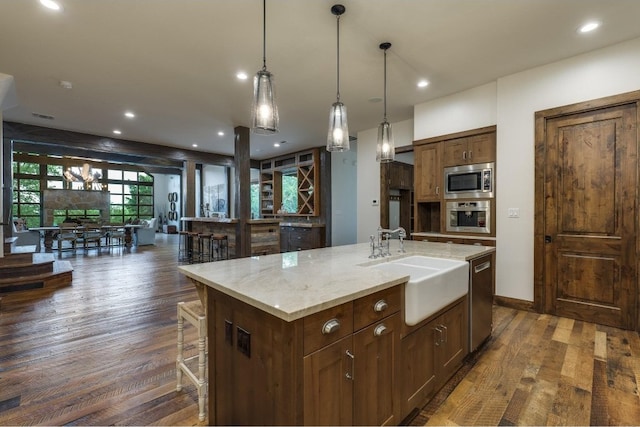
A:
[471, 109]
[162, 186]
[368, 177]
[511, 103]
[344, 206]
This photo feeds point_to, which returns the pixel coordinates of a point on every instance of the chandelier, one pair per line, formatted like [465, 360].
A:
[82, 174]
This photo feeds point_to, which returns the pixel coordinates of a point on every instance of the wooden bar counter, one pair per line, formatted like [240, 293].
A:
[265, 233]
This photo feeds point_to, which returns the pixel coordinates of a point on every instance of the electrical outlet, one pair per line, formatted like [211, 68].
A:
[244, 341]
[513, 212]
[374, 202]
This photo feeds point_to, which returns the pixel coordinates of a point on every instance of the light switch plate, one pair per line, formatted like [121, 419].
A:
[513, 212]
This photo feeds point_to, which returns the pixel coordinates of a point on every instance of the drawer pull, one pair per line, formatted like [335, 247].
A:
[380, 306]
[379, 330]
[330, 326]
[482, 267]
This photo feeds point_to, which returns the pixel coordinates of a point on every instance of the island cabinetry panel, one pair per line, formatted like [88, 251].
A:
[428, 172]
[352, 381]
[254, 365]
[264, 370]
[479, 148]
[431, 353]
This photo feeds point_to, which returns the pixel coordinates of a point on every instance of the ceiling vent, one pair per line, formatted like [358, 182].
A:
[43, 116]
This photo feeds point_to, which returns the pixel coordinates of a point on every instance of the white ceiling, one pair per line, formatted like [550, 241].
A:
[173, 62]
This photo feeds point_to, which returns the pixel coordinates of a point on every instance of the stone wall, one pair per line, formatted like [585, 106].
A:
[75, 199]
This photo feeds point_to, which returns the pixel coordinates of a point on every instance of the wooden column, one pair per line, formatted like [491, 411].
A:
[189, 189]
[242, 180]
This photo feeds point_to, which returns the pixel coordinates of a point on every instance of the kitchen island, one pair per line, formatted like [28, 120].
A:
[291, 337]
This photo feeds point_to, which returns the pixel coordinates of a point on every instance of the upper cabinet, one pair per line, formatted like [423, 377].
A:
[479, 148]
[428, 171]
[400, 175]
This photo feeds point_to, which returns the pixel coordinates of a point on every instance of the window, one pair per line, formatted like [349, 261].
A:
[131, 190]
[290, 191]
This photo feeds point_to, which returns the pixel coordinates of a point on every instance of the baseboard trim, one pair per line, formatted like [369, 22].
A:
[518, 304]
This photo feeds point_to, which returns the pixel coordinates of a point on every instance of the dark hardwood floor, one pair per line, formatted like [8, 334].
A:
[102, 352]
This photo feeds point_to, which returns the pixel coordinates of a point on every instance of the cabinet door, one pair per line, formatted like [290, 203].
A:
[418, 368]
[452, 337]
[328, 385]
[428, 172]
[455, 152]
[376, 373]
[482, 148]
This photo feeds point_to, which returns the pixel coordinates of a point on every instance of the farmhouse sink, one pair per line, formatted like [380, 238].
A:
[433, 284]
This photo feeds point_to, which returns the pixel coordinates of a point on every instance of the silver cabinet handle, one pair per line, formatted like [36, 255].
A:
[379, 330]
[437, 190]
[446, 333]
[349, 375]
[482, 267]
[380, 306]
[330, 326]
[464, 155]
[438, 341]
[470, 154]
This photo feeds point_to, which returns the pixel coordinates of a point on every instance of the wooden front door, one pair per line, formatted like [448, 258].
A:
[590, 215]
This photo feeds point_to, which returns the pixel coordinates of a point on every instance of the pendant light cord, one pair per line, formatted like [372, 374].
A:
[264, 35]
[385, 85]
[338, 59]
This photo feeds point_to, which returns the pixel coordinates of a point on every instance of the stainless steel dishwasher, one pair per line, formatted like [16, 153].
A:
[481, 279]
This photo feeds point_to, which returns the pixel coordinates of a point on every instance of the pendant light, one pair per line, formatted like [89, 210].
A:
[385, 150]
[264, 111]
[338, 135]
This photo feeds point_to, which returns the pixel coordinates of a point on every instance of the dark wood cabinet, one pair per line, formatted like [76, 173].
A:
[479, 148]
[354, 364]
[301, 238]
[428, 172]
[325, 372]
[400, 175]
[431, 353]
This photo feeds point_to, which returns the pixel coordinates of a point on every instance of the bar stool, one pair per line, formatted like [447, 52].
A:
[204, 247]
[218, 243]
[193, 312]
[184, 252]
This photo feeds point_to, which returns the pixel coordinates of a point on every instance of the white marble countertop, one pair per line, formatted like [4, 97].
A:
[293, 285]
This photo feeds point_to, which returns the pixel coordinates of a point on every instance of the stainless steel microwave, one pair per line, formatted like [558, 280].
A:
[469, 181]
[469, 216]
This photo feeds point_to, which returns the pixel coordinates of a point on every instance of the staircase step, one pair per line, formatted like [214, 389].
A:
[61, 274]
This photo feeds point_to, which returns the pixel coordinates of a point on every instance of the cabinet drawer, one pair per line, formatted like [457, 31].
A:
[370, 309]
[327, 326]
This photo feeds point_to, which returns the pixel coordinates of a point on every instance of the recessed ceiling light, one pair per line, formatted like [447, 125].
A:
[588, 27]
[276, 144]
[375, 100]
[65, 84]
[423, 83]
[50, 4]
[242, 75]
[194, 145]
[220, 133]
[129, 114]
[117, 132]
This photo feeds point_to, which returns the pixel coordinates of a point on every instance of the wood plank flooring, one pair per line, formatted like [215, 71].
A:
[543, 370]
[102, 352]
